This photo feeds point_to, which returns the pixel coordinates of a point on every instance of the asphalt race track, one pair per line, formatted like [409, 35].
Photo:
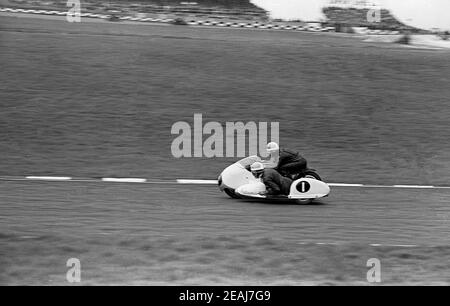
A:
[124, 236]
[111, 123]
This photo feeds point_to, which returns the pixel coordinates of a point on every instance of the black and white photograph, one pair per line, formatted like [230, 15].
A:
[224, 148]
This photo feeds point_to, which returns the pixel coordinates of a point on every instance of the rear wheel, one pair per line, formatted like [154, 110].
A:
[312, 174]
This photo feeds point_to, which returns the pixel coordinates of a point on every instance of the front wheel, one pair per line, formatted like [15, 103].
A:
[231, 193]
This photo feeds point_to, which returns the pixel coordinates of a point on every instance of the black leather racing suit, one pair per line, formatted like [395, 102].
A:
[276, 184]
[290, 162]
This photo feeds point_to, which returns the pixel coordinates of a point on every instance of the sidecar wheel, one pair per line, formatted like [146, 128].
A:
[231, 193]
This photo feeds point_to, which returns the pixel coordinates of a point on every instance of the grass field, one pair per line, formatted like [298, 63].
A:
[95, 99]
[99, 99]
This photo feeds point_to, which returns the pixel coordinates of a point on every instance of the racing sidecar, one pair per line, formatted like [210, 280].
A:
[239, 183]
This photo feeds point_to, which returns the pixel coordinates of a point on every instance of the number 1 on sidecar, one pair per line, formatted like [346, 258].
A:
[303, 191]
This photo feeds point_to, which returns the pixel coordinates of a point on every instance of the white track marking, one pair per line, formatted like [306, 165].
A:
[413, 186]
[188, 182]
[203, 182]
[123, 180]
[132, 181]
[49, 178]
[345, 185]
[88, 180]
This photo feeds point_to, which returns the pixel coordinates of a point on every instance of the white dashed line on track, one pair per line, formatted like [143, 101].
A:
[124, 180]
[413, 186]
[186, 181]
[203, 182]
[345, 185]
[49, 178]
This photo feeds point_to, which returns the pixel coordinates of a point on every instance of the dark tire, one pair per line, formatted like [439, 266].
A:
[312, 174]
[231, 193]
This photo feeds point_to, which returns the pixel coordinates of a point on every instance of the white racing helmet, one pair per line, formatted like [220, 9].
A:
[272, 147]
[257, 169]
[257, 166]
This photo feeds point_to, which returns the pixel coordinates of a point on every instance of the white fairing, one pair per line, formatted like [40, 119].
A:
[307, 188]
[236, 175]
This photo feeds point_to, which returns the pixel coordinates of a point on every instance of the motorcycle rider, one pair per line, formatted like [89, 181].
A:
[275, 183]
[287, 162]
[257, 170]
